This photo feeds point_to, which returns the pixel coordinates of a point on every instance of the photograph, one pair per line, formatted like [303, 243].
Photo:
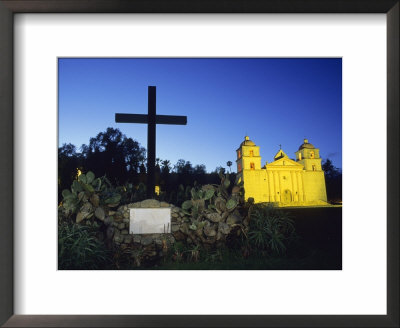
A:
[199, 163]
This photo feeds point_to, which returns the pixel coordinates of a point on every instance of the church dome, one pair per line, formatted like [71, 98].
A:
[247, 142]
[307, 145]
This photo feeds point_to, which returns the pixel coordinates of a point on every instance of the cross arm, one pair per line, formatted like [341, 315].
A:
[143, 118]
[131, 118]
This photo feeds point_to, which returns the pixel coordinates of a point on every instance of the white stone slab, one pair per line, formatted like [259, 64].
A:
[150, 220]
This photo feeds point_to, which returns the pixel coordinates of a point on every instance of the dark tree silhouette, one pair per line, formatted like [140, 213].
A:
[112, 154]
[122, 160]
[67, 150]
[199, 169]
[135, 155]
[68, 163]
[166, 166]
[165, 169]
[333, 180]
[219, 169]
[199, 174]
[184, 170]
[229, 164]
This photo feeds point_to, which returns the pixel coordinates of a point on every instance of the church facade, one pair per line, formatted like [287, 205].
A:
[285, 182]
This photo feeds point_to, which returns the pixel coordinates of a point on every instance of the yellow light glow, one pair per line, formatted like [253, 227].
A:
[157, 190]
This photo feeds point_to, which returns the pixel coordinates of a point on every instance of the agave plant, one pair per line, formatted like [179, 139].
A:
[270, 229]
[194, 253]
[177, 252]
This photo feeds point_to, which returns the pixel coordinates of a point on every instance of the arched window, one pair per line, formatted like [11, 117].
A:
[252, 166]
[299, 156]
[314, 168]
[239, 154]
[239, 167]
[251, 153]
[311, 154]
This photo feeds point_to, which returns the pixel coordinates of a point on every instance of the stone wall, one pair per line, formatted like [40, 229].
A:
[210, 230]
[142, 247]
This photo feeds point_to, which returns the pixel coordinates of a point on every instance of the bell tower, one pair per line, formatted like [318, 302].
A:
[308, 155]
[249, 170]
[314, 177]
[248, 156]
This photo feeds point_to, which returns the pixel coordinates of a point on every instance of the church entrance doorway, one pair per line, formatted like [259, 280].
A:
[287, 196]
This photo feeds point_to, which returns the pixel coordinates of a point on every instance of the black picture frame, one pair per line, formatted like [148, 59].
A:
[7, 10]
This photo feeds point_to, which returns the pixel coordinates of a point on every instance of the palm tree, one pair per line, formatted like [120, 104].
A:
[229, 163]
[166, 166]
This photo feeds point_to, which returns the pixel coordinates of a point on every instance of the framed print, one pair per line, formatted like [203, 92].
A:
[46, 42]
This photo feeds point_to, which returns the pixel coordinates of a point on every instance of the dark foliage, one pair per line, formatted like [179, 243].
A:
[80, 249]
[112, 154]
[333, 180]
[122, 160]
[68, 163]
[109, 154]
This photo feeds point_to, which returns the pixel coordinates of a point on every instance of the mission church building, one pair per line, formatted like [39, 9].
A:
[284, 181]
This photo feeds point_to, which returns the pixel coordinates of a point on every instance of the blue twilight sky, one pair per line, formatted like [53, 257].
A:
[273, 101]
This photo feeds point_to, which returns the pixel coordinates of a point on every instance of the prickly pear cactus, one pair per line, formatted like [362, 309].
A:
[89, 198]
[212, 212]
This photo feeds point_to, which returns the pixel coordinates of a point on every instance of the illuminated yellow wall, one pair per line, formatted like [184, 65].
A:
[283, 181]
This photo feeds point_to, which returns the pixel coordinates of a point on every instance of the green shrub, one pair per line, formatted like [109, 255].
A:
[79, 249]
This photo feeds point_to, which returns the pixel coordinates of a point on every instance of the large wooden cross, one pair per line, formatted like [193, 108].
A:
[151, 119]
